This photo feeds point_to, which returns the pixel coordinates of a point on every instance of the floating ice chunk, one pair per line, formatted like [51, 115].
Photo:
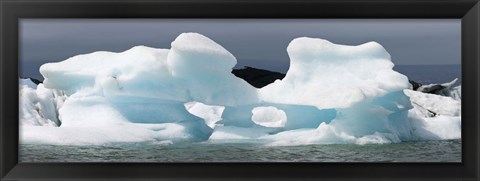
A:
[434, 117]
[38, 105]
[439, 89]
[33, 111]
[328, 75]
[436, 104]
[445, 89]
[269, 117]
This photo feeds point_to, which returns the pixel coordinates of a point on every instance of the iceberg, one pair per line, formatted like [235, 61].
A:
[434, 117]
[445, 89]
[194, 69]
[436, 104]
[331, 94]
[438, 89]
[327, 75]
[148, 86]
[356, 81]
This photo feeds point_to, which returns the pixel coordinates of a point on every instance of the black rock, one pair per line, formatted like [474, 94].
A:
[257, 77]
[415, 85]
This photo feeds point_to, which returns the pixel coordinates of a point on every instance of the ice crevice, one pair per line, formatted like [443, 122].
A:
[332, 94]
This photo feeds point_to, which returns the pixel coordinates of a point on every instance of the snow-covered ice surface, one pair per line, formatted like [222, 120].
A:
[331, 94]
[436, 104]
[327, 75]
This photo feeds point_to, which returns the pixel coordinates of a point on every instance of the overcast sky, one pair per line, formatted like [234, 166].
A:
[258, 43]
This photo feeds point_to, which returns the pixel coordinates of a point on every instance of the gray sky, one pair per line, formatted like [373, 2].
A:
[258, 43]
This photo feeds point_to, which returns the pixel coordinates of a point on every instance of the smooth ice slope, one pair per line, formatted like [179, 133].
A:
[206, 68]
[194, 69]
[108, 72]
[327, 75]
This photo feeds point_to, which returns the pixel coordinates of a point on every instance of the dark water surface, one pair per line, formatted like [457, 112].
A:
[423, 151]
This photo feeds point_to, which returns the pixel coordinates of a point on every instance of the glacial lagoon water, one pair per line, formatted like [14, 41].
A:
[423, 151]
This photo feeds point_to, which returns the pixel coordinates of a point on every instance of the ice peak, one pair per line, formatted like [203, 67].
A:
[194, 42]
[315, 47]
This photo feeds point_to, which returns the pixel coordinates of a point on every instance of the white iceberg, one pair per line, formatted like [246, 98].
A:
[183, 73]
[327, 75]
[331, 94]
[435, 104]
[434, 117]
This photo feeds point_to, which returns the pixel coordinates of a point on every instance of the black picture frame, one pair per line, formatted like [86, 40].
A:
[13, 10]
